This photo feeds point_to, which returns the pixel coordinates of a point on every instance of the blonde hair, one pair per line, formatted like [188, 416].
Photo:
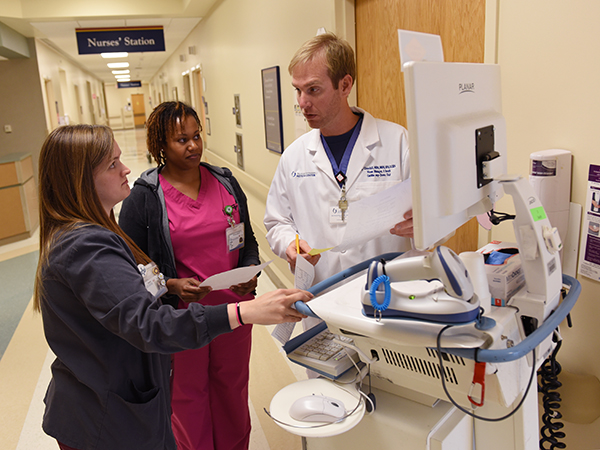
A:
[339, 56]
[67, 192]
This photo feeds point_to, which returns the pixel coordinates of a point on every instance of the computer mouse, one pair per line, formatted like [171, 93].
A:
[317, 408]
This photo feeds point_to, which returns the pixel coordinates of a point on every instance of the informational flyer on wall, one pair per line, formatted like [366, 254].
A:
[589, 264]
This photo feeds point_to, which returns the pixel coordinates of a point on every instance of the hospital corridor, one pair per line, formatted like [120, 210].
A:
[438, 160]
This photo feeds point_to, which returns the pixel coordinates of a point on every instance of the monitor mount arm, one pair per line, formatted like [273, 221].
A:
[538, 244]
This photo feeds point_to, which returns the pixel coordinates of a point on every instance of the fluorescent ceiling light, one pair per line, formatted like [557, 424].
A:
[120, 72]
[114, 55]
[123, 78]
[120, 65]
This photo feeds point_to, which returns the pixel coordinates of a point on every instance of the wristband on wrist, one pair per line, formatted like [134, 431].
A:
[238, 314]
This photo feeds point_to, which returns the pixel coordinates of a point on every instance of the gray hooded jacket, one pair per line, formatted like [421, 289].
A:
[144, 218]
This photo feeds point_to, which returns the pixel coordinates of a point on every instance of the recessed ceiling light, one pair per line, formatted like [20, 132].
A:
[123, 77]
[120, 72]
[120, 65]
[114, 55]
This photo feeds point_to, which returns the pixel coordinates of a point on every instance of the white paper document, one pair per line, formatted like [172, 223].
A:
[304, 275]
[283, 331]
[374, 216]
[415, 46]
[225, 280]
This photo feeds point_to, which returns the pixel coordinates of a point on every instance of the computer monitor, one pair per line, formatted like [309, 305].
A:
[455, 123]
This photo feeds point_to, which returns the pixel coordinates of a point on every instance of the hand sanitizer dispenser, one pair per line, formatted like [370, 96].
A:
[550, 177]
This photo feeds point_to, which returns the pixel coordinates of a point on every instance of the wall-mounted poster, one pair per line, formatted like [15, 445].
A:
[272, 108]
[589, 254]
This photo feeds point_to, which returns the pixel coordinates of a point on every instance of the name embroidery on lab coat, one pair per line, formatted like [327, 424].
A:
[380, 171]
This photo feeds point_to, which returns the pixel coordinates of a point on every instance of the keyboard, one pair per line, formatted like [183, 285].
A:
[321, 354]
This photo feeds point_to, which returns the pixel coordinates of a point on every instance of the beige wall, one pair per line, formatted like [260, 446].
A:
[65, 76]
[24, 98]
[548, 51]
[233, 43]
[22, 108]
[24, 102]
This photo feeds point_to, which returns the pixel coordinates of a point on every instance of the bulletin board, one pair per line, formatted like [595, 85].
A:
[272, 109]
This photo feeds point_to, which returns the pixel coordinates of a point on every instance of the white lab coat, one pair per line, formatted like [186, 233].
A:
[304, 190]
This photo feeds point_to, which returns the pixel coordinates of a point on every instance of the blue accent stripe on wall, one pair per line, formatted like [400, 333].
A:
[16, 280]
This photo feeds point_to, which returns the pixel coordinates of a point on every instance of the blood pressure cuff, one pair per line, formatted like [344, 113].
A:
[498, 257]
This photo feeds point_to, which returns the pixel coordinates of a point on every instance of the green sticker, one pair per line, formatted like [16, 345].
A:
[538, 213]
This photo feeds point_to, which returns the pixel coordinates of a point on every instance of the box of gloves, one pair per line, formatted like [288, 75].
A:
[503, 269]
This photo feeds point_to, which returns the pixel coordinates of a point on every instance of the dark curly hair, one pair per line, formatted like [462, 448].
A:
[161, 124]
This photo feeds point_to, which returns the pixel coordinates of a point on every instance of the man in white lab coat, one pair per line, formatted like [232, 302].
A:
[347, 156]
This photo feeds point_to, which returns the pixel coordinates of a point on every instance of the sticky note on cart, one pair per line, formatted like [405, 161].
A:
[239, 275]
[318, 251]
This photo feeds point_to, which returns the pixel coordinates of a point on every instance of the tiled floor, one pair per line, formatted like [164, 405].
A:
[25, 357]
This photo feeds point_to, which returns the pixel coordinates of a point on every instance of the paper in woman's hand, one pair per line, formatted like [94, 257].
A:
[303, 278]
[225, 280]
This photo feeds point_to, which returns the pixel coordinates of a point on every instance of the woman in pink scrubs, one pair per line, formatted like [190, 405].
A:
[192, 219]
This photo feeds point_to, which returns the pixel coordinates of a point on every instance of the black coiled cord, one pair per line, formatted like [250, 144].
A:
[548, 386]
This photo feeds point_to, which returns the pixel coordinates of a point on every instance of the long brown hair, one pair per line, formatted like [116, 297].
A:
[67, 193]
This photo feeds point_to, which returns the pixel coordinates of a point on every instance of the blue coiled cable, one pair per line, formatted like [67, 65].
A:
[387, 295]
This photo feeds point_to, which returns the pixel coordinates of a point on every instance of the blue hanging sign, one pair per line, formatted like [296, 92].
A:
[128, 84]
[120, 39]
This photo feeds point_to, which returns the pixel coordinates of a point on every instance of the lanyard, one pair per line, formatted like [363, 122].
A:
[340, 172]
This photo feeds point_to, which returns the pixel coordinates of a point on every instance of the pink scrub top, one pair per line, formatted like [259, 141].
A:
[198, 234]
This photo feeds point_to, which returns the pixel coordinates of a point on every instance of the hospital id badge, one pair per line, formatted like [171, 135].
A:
[235, 237]
[335, 215]
[153, 279]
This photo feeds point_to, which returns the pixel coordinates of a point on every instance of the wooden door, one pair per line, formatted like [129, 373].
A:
[139, 110]
[379, 80]
[52, 105]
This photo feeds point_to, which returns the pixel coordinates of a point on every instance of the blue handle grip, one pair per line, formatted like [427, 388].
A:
[303, 308]
[533, 340]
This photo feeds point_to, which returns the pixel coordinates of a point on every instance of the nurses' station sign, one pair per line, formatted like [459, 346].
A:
[121, 39]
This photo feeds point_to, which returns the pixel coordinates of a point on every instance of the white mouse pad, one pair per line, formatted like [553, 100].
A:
[283, 400]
